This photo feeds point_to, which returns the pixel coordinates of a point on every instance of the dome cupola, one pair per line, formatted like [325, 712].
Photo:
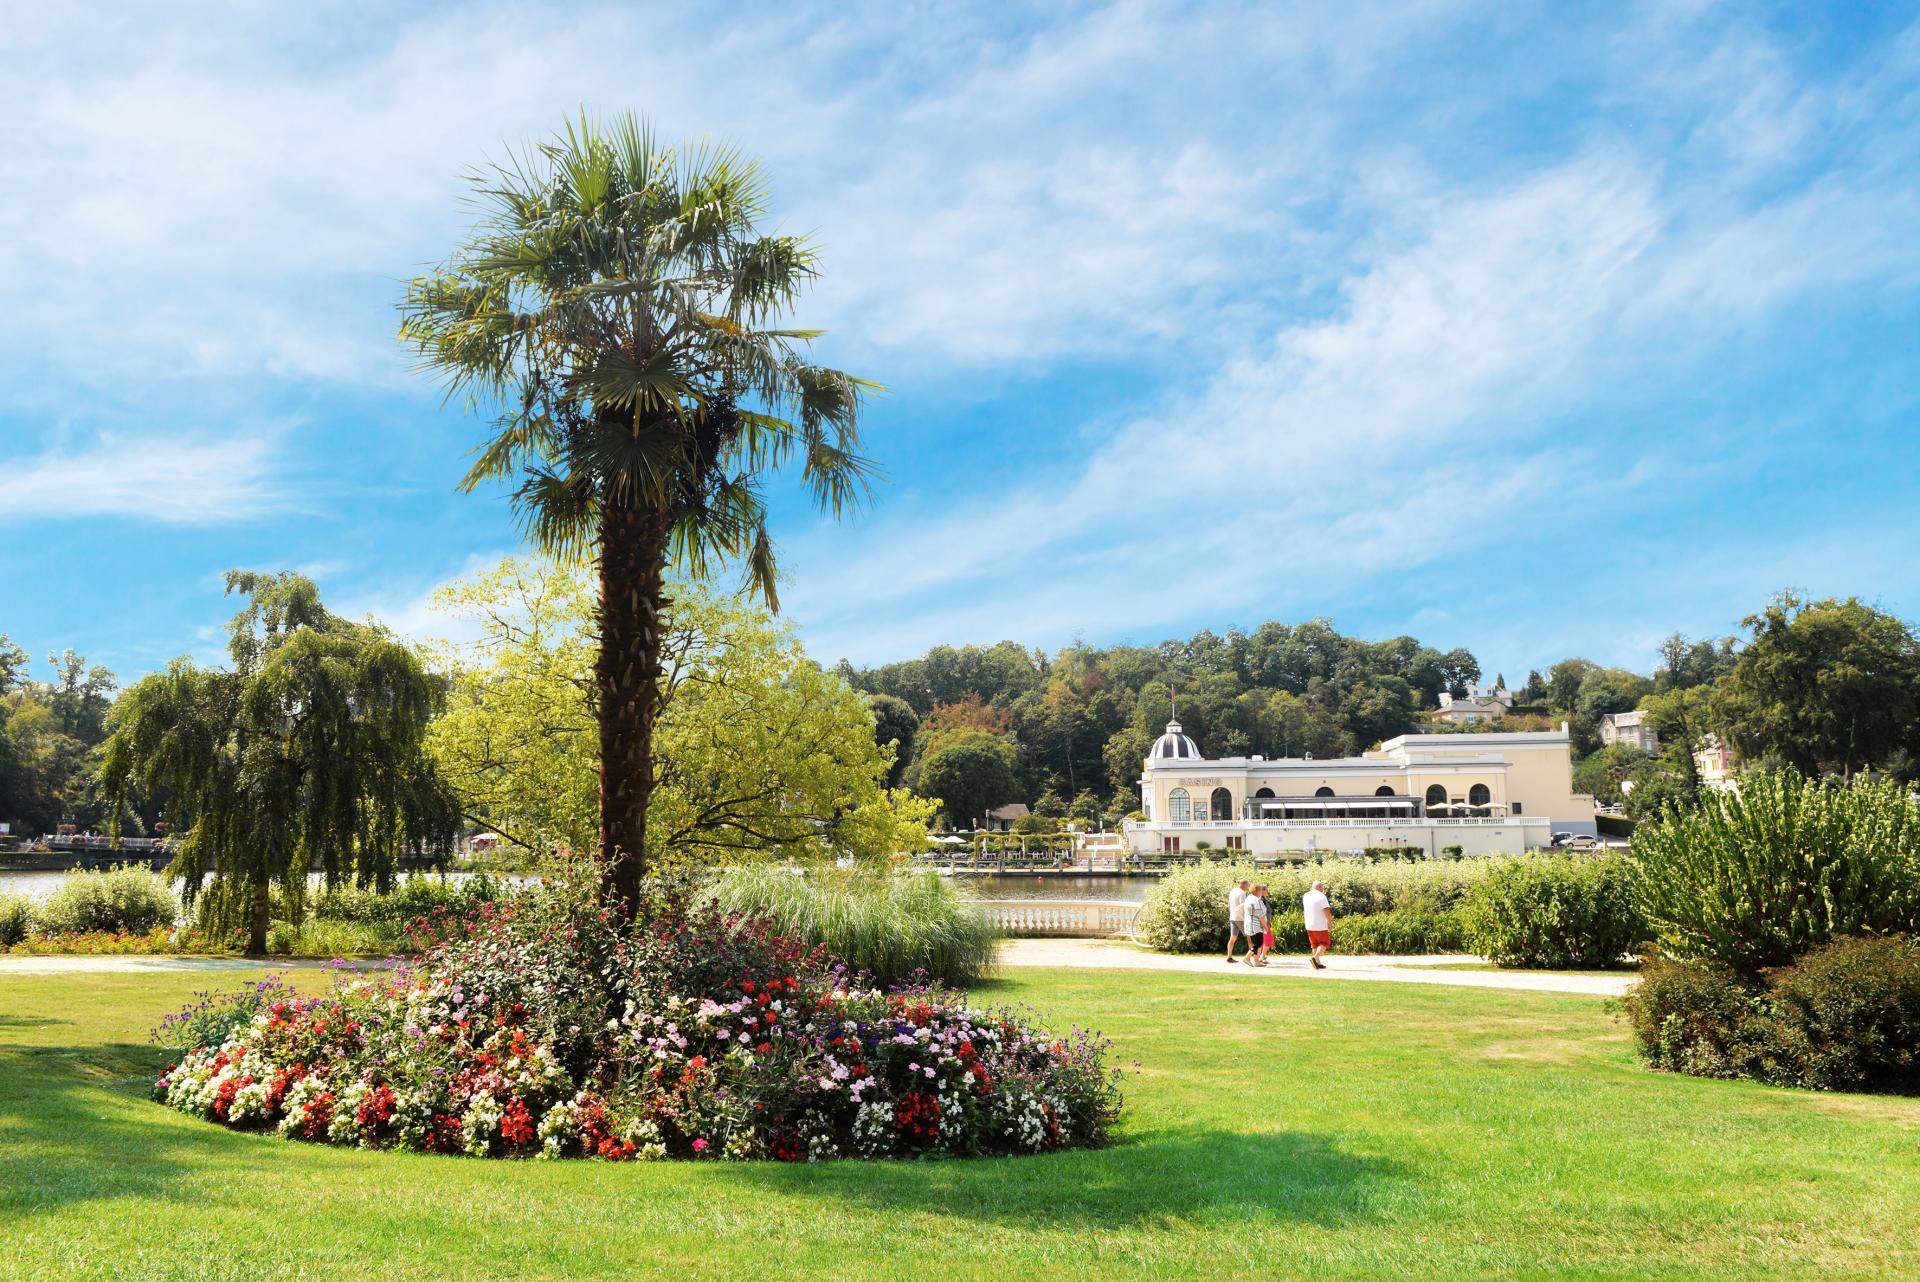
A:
[1173, 746]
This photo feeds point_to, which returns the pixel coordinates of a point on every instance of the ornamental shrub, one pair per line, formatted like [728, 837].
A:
[1403, 931]
[124, 901]
[1555, 912]
[1857, 1004]
[1187, 911]
[1845, 1017]
[16, 919]
[890, 926]
[410, 899]
[537, 1028]
[1753, 878]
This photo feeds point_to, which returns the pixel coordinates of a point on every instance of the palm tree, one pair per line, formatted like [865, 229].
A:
[616, 305]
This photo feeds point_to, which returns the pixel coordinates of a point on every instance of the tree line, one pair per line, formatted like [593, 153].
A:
[1823, 686]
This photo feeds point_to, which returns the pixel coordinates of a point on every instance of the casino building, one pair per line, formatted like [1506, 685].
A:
[1486, 793]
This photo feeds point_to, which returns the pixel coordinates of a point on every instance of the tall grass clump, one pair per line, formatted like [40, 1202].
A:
[16, 919]
[122, 901]
[1753, 879]
[887, 925]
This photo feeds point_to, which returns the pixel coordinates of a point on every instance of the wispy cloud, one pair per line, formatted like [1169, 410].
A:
[185, 480]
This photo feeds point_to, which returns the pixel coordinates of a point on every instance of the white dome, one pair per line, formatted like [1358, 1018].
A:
[1173, 746]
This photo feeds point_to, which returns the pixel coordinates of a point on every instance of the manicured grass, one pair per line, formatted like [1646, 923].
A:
[1274, 1130]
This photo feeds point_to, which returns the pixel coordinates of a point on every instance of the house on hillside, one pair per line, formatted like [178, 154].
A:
[1479, 703]
[1629, 728]
[1714, 760]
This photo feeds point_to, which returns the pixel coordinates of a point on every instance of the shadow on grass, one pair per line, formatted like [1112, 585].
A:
[76, 1127]
[1166, 1177]
[29, 1021]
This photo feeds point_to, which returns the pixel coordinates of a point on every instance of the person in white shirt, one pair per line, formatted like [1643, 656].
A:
[1237, 919]
[1256, 926]
[1319, 917]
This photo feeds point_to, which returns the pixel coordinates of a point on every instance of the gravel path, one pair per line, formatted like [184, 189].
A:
[1071, 954]
[1115, 954]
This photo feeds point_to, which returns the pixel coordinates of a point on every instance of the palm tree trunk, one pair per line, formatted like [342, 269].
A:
[633, 558]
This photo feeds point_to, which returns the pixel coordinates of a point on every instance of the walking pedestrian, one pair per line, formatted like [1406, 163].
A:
[1236, 919]
[1256, 926]
[1319, 919]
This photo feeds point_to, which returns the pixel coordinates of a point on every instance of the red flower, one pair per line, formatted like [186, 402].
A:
[516, 1127]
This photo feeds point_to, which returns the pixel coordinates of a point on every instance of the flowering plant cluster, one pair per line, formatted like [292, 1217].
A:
[537, 1029]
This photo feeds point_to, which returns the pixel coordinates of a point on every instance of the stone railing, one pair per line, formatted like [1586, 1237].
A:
[1046, 918]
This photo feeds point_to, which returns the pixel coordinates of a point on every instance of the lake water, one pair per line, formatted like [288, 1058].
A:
[1007, 885]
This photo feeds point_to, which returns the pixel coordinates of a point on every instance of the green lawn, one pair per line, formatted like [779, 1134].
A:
[1282, 1129]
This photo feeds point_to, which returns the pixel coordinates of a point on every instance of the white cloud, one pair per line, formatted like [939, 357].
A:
[181, 480]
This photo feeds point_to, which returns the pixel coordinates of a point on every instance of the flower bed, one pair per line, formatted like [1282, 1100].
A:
[539, 1031]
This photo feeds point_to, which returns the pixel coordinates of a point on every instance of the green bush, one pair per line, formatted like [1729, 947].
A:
[1687, 1016]
[1187, 911]
[1753, 878]
[1399, 907]
[1556, 912]
[411, 899]
[123, 901]
[886, 925]
[1857, 1004]
[1403, 932]
[16, 919]
[318, 937]
[1845, 1017]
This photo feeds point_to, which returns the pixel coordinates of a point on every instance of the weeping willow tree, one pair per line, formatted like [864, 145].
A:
[619, 304]
[306, 756]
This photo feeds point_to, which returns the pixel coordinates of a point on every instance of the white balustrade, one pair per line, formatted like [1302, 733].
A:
[1052, 918]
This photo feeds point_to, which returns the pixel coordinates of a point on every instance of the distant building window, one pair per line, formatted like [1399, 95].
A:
[1323, 792]
[1479, 795]
[1437, 795]
[1384, 790]
[1264, 792]
[1169, 845]
[1515, 807]
[1179, 806]
[1236, 843]
[1222, 804]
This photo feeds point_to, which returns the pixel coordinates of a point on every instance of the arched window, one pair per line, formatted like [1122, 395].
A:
[1384, 790]
[1179, 806]
[1437, 794]
[1264, 792]
[1323, 792]
[1222, 804]
[1479, 795]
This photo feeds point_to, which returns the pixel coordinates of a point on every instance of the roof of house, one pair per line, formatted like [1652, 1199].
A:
[1011, 811]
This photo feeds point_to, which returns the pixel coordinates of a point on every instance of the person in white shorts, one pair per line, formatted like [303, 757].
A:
[1236, 919]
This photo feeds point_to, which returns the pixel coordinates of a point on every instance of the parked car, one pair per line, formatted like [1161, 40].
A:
[1562, 838]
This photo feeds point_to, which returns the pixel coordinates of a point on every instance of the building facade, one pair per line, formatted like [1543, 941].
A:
[1714, 760]
[1479, 703]
[1483, 792]
[1629, 728]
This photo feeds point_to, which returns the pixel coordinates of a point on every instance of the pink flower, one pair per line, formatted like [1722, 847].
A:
[699, 1146]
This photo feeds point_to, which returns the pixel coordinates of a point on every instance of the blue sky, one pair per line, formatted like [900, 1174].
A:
[1542, 330]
